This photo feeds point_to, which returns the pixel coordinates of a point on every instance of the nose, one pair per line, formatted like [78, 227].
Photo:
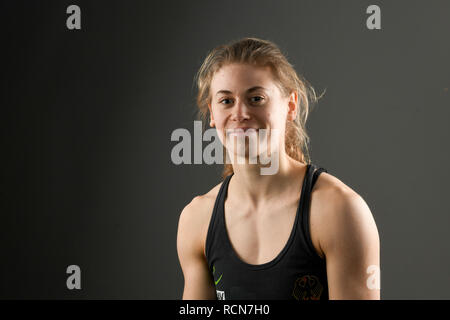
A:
[240, 111]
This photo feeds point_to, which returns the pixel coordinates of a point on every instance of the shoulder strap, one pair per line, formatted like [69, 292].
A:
[215, 221]
[311, 179]
[316, 174]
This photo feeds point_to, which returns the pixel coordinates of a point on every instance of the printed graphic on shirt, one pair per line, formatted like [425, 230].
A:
[220, 295]
[307, 287]
[216, 282]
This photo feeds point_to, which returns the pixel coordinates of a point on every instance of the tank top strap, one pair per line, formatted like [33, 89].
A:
[304, 220]
[216, 224]
[316, 174]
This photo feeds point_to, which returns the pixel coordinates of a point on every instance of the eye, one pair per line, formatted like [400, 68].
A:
[221, 101]
[257, 99]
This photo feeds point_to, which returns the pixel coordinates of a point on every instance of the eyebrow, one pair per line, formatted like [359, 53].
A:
[248, 91]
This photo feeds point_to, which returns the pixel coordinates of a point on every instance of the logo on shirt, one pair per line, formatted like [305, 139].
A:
[307, 287]
[220, 294]
[216, 282]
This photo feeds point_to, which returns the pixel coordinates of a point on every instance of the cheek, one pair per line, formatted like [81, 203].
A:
[277, 117]
[219, 120]
[220, 127]
[272, 119]
[265, 116]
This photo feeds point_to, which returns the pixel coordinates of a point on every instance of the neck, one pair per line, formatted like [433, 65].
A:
[254, 188]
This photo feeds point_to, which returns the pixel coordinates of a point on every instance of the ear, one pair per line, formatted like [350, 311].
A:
[292, 106]
[211, 123]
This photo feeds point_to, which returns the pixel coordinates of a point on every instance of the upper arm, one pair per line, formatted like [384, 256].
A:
[198, 282]
[351, 245]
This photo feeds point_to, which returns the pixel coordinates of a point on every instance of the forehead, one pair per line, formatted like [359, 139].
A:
[237, 78]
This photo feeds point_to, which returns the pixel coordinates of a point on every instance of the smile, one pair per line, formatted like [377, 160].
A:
[241, 131]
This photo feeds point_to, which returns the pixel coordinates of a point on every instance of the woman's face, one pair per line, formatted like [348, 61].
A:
[246, 96]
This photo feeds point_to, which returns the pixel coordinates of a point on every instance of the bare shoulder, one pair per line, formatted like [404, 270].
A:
[196, 215]
[201, 206]
[329, 190]
[337, 209]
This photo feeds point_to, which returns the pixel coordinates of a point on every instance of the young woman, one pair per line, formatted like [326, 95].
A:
[298, 233]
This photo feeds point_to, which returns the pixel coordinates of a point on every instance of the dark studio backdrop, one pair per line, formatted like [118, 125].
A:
[87, 116]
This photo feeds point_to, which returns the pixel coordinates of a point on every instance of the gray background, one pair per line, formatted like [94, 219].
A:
[87, 116]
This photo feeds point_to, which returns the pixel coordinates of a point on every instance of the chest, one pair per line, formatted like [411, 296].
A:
[258, 236]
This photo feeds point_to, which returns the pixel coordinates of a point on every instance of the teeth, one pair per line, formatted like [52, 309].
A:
[240, 131]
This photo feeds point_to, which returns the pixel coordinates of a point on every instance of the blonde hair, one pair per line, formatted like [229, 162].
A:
[262, 53]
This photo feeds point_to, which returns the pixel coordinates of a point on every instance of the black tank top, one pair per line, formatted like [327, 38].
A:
[297, 272]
